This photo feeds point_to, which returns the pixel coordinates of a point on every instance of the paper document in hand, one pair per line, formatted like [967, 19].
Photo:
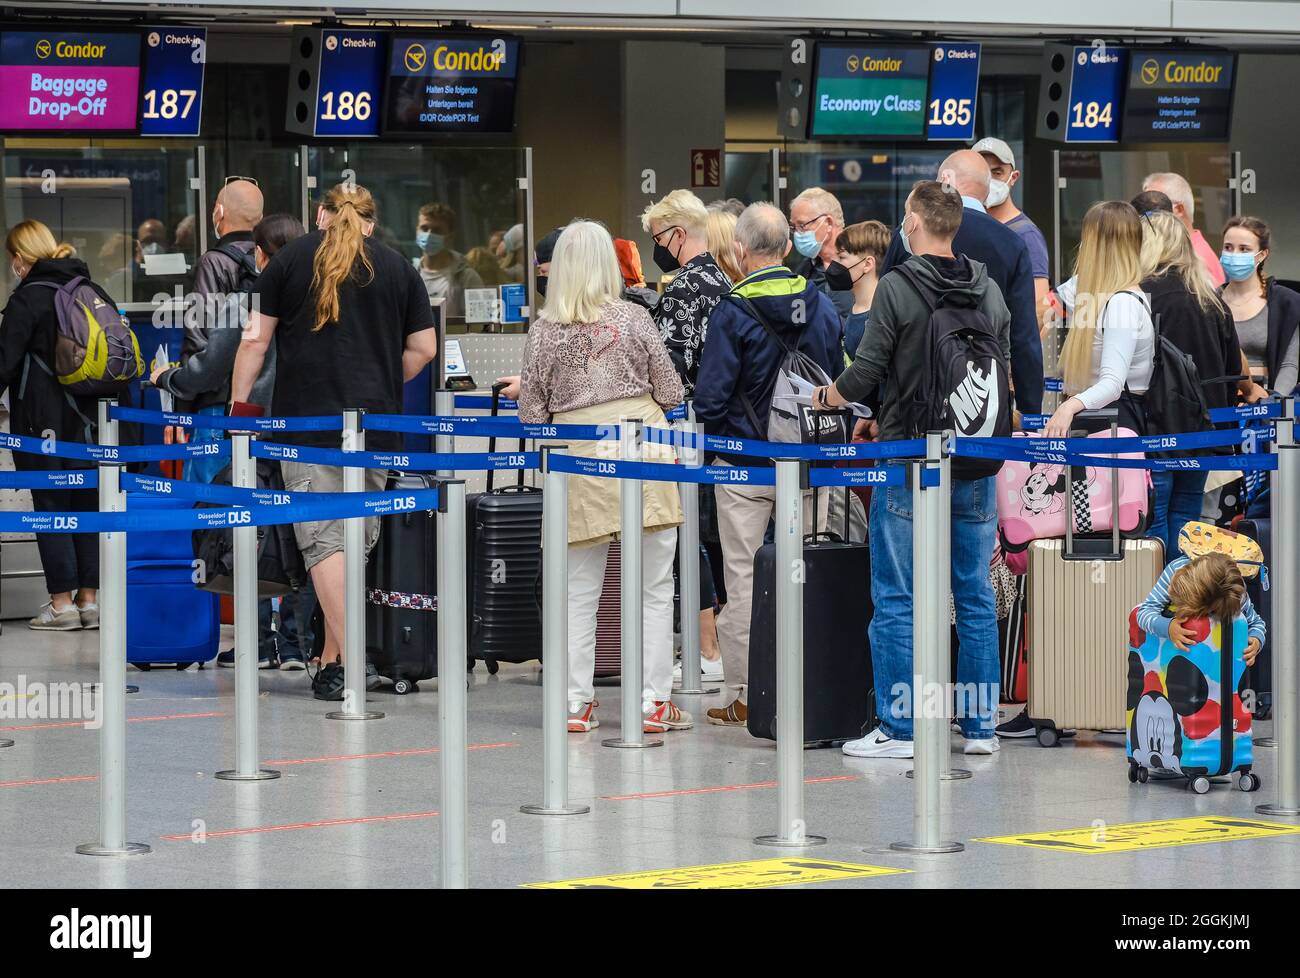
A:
[803, 391]
[161, 361]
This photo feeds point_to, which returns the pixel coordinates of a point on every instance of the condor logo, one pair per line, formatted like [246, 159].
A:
[974, 404]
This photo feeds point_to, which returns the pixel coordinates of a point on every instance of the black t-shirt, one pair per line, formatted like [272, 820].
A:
[355, 362]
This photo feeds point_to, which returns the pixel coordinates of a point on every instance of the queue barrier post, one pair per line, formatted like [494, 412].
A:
[243, 471]
[112, 662]
[453, 806]
[632, 734]
[354, 584]
[931, 585]
[688, 563]
[1285, 428]
[1285, 627]
[444, 406]
[792, 832]
[555, 643]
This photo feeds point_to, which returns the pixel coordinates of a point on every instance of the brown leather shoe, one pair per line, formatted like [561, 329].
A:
[733, 715]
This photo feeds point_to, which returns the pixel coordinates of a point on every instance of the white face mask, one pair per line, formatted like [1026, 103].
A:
[999, 191]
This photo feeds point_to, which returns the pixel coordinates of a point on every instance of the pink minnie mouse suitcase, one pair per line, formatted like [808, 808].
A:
[1033, 502]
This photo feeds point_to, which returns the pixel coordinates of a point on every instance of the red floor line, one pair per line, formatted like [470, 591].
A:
[294, 826]
[63, 780]
[82, 723]
[383, 753]
[725, 787]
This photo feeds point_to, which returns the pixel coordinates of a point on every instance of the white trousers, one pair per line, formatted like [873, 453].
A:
[586, 577]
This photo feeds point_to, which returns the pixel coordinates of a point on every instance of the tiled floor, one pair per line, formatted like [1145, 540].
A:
[648, 812]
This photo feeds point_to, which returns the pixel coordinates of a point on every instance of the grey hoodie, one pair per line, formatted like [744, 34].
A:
[894, 347]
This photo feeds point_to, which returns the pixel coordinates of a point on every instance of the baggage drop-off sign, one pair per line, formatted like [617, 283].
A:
[1134, 836]
[790, 871]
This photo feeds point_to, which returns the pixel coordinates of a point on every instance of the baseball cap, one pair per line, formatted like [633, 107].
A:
[996, 147]
[544, 248]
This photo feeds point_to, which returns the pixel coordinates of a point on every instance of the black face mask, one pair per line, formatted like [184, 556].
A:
[838, 276]
[665, 260]
[541, 285]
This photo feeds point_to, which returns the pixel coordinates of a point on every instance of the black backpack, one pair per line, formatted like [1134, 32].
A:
[245, 267]
[1175, 398]
[966, 388]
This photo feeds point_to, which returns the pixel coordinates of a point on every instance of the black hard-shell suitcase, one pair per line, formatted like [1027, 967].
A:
[401, 595]
[1259, 677]
[839, 694]
[504, 556]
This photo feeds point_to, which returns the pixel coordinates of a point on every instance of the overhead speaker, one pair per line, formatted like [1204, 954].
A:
[304, 81]
[1054, 91]
[795, 94]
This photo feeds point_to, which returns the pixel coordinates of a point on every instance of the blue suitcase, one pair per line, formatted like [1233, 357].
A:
[168, 619]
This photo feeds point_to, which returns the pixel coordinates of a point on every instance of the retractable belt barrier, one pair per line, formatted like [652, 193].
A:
[1015, 450]
[53, 479]
[486, 427]
[483, 402]
[403, 461]
[30, 445]
[223, 423]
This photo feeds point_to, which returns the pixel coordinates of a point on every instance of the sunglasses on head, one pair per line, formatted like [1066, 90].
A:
[232, 179]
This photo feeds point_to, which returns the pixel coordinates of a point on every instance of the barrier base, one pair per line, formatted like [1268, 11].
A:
[132, 689]
[544, 810]
[952, 774]
[6, 743]
[1276, 810]
[1265, 741]
[130, 849]
[917, 849]
[697, 692]
[343, 715]
[782, 842]
[260, 775]
[630, 744]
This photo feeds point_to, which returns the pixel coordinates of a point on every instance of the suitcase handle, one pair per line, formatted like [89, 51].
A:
[1110, 416]
[497, 388]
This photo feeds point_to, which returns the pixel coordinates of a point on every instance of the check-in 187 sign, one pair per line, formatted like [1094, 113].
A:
[172, 94]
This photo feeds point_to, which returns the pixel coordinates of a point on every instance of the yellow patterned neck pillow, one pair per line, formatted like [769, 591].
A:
[1197, 539]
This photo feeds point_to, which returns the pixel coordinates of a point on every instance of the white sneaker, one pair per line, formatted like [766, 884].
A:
[877, 744]
[50, 620]
[711, 671]
[985, 745]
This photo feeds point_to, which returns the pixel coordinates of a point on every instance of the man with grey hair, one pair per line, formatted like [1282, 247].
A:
[1179, 191]
[771, 312]
[1004, 255]
[816, 220]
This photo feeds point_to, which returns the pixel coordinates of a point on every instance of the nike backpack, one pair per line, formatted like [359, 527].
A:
[966, 388]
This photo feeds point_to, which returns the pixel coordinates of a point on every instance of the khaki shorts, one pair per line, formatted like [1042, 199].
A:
[324, 538]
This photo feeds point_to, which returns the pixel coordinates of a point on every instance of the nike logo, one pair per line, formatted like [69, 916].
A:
[977, 394]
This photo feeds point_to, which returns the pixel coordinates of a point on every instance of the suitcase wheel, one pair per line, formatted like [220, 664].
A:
[1133, 769]
[1199, 784]
[1143, 775]
[1048, 736]
[403, 686]
[1248, 781]
[493, 667]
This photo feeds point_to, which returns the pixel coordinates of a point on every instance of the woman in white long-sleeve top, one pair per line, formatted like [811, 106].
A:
[1110, 345]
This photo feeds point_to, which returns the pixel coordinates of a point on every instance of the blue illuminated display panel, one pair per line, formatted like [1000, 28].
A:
[1097, 80]
[351, 76]
[954, 86]
[171, 99]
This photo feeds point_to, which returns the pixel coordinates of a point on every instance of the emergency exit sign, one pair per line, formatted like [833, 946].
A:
[706, 168]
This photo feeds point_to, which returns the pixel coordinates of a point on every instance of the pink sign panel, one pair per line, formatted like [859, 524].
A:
[68, 98]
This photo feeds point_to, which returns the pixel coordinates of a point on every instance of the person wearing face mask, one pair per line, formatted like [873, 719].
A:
[859, 250]
[1006, 259]
[678, 225]
[1179, 191]
[816, 220]
[446, 273]
[39, 405]
[1003, 176]
[1266, 314]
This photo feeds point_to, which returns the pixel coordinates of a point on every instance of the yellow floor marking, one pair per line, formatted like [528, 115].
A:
[1134, 836]
[727, 876]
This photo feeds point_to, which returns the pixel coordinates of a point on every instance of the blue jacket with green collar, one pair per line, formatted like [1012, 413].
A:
[740, 356]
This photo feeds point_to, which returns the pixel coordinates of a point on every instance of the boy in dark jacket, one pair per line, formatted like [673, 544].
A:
[894, 353]
[733, 394]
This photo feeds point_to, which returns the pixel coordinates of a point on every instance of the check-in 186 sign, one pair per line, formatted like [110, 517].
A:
[706, 168]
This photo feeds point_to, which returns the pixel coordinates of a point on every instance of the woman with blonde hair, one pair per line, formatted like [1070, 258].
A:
[721, 234]
[1189, 313]
[351, 321]
[1109, 348]
[594, 358]
[38, 405]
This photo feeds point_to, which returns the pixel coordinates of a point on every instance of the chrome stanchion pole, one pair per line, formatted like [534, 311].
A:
[555, 643]
[688, 564]
[112, 662]
[354, 585]
[444, 405]
[931, 582]
[453, 734]
[632, 734]
[1285, 629]
[1285, 428]
[243, 472]
[792, 830]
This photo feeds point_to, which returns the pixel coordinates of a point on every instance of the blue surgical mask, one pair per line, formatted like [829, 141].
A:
[902, 235]
[429, 242]
[806, 243]
[1237, 265]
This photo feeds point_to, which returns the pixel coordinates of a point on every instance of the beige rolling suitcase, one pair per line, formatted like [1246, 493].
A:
[1079, 592]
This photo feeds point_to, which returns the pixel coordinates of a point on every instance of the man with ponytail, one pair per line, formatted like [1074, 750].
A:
[351, 322]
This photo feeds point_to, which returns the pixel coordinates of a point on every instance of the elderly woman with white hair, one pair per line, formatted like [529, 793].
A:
[594, 358]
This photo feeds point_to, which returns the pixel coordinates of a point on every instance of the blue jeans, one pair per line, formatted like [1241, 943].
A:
[1178, 500]
[974, 532]
[204, 468]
